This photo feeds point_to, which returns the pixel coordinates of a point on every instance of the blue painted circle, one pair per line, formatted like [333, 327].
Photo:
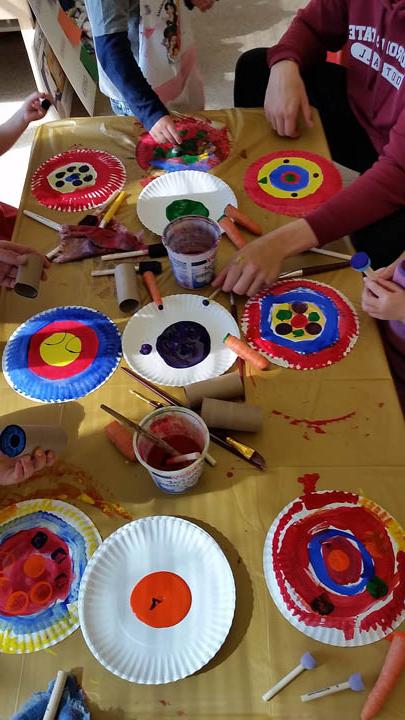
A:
[276, 178]
[24, 381]
[329, 334]
[12, 440]
[320, 569]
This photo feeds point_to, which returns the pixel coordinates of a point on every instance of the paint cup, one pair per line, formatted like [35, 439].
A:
[191, 242]
[169, 423]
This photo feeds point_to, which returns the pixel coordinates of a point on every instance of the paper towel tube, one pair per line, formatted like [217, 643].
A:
[126, 285]
[16, 440]
[224, 387]
[231, 416]
[29, 276]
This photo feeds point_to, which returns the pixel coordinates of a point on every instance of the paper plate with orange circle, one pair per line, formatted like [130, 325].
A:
[44, 548]
[157, 600]
[62, 354]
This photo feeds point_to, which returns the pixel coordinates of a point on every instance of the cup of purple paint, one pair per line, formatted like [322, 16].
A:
[191, 243]
[186, 432]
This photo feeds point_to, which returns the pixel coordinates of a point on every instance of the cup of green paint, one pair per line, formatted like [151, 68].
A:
[191, 243]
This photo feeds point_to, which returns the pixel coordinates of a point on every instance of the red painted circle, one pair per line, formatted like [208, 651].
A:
[299, 321]
[290, 177]
[161, 599]
[89, 348]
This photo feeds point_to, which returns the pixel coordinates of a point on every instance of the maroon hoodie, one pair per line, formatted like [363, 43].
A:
[374, 32]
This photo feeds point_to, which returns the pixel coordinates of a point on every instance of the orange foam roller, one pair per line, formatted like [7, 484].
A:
[230, 229]
[247, 353]
[239, 217]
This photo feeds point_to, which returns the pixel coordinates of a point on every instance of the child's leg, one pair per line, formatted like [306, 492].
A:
[8, 216]
[251, 78]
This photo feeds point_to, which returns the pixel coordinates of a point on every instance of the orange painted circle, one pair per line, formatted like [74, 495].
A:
[338, 560]
[41, 593]
[161, 599]
[16, 602]
[5, 587]
[34, 566]
[7, 559]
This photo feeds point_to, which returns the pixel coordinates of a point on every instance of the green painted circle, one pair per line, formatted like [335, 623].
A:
[179, 208]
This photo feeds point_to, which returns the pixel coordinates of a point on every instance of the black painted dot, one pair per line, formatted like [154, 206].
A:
[316, 175]
[299, 307]
[76, 183]
[39, 539]
[286, 160]
[206, 302]
[283, 328]
[313, 328]
[60, 174]
[322, 605]
[60, 581]
[71, 168]
[84, 168]
[59, 183]
[294, 194]
[58, 555]
[88, 178]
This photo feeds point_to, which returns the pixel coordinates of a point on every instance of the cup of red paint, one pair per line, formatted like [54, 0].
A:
[186, 432]
[191, 243]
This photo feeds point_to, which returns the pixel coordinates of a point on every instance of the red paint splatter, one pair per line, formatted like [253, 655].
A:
[315, 425]
[180, 713]
[243, 154]
[164, 702]
[381, 404]
[309, 481]
[230, 474]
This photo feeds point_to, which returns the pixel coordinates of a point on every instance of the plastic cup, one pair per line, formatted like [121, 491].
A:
[191, 243]
[173, 421]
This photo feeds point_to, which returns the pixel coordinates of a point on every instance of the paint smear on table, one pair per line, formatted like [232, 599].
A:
[318, 426]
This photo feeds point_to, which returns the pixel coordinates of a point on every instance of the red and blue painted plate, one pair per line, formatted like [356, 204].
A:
[302, 324]
[62, 354]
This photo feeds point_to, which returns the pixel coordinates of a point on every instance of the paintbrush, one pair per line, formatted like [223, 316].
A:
[141, 430]
[223, 440]
[240, 362]
[314, 270]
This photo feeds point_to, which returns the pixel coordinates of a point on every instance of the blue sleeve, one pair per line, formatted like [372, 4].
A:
[116, 58]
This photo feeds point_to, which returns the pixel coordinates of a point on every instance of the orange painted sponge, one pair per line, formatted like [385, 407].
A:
[121, 437]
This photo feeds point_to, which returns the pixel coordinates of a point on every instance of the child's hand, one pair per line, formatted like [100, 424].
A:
[164, 130]
[31, 109]
[203, 5]
[11, 256]
[383, 300]
[14, 471]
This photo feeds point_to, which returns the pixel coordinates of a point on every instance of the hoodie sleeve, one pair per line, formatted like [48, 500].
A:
[320, 26]
[379, 192]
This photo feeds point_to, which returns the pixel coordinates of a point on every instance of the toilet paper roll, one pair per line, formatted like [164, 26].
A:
[126, 285]
[16, 440]
[29, 276]
[231, 416]
[224, 387]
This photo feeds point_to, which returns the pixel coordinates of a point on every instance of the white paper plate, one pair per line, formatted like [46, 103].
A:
[148, 324]
[203, 187]
[132, 649]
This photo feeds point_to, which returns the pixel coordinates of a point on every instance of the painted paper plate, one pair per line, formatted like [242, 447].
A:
[181, 344]
[62, 354]
[292, 182]
[157, 600]
[44, 548]
[183, 193]
[334, 564]
[204, 144]
[302, 324]
[77, 179]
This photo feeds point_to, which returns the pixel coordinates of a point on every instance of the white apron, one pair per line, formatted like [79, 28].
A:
[167, 54]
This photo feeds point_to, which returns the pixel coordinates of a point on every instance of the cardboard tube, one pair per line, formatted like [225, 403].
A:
[231, 416]
[16, 440]
[126, 285]
[224, 387]
[29, 276]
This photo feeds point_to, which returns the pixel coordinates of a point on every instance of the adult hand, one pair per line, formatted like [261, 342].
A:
[14, 471]
[285, 98]
[258, 264]
[203, 5]
[383, 299]
[164, 130]
[31, 109]
[11, 256]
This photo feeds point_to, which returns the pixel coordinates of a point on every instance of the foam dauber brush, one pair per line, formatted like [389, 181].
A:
[220, 438]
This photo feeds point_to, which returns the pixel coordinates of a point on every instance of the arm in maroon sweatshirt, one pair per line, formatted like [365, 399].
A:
[379, 192]
[321, 26]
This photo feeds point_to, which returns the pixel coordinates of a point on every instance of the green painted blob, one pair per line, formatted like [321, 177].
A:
[298, 333]
[284, 315]
[289, 177]
[179, 208]
[314, 317]
[377, 587]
